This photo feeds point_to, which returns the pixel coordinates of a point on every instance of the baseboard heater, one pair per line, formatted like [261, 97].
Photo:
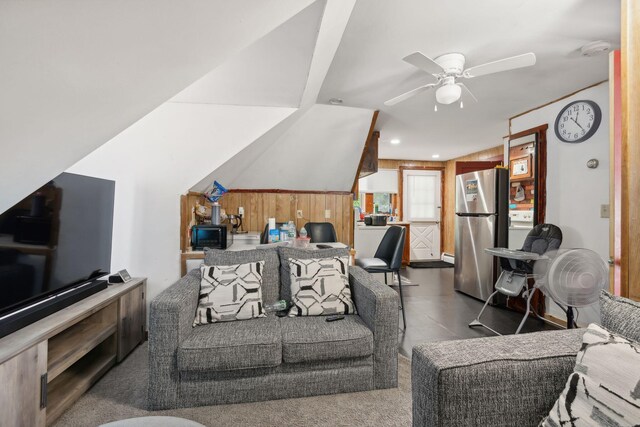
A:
[447, 258]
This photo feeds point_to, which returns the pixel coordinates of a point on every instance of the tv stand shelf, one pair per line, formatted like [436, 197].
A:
[46, 366]
[69, 346]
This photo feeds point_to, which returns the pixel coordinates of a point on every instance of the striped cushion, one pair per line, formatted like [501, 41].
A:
[604, 388]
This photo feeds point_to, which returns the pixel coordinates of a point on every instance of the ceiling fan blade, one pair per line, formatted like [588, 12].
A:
[407, 95]
[506, 64]
[417, 59]
[466, 90]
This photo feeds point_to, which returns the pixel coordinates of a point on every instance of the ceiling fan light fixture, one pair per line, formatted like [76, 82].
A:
[448, 94]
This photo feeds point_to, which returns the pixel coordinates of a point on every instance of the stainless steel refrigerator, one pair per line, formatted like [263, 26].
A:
[482, 202]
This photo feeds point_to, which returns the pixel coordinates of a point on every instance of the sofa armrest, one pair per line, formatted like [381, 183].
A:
[497, 381]
[171, 317]
[377, 305]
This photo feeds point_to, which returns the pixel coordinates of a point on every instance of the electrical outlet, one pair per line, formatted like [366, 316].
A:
[299, 213]
[327, 213]
[604, 211]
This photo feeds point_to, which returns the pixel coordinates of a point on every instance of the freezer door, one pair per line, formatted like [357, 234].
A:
[473, 269]
[476, 192]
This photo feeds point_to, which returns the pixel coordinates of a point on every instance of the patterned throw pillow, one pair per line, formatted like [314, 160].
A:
[320, 286]
[604, 388]
[230, 292]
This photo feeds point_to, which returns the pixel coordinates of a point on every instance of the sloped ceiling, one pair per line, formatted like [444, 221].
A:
[318, 147]
[318, 151]
[75, 73]
[271, 72]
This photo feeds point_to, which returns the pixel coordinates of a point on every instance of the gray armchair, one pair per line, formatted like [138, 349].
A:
[498, 381]
[269, 358]
[510, 380]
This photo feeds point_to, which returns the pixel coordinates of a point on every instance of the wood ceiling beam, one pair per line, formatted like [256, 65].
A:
[367, 143]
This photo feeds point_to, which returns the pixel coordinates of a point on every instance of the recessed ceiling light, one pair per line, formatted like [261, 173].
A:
[395, 141]
[435, 156]
[335, 101]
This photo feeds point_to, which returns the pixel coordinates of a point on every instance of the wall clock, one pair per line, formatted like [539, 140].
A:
[578, 121]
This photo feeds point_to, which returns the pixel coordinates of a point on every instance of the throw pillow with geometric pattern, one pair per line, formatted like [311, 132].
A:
[230, 292]
[320, 286]
[604, 388]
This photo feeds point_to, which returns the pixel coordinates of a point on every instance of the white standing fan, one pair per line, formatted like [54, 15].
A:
[574, 278]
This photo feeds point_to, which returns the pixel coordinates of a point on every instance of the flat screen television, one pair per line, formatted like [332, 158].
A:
[54, 244]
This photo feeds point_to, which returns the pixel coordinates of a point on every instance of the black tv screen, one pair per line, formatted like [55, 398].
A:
[57, 237]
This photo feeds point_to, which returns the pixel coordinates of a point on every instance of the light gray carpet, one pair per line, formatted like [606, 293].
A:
[122, 393]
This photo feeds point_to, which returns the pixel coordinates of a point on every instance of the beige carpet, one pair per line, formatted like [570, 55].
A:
[122, 394]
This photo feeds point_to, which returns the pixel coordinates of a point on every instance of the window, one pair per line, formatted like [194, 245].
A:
[383, 200]
[421, 192]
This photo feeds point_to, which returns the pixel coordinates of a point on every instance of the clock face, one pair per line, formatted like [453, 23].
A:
[578, 121]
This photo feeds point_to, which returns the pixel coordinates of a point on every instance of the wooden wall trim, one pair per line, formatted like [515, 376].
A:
[280, 191]
[374, 118]
[541, 175]
[537, 129]
[615, 174]
[630, 83]
[555, 100]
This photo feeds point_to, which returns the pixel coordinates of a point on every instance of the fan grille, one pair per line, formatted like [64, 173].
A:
[576, 277]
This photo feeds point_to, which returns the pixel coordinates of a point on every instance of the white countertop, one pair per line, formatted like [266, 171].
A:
[361, 227]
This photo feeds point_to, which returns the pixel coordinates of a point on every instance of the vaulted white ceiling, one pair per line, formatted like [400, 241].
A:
[272, 71]
[315, 148]
[75, 73]
[368, 67]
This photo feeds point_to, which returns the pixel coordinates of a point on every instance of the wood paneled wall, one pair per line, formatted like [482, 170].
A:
[449, 190]
[261, 205]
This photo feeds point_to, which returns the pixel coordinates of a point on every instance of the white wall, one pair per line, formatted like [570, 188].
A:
[318, 150]
[75, 73]
[574, 192]
[155, 161]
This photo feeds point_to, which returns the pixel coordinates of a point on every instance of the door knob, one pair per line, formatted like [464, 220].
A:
[611, 261]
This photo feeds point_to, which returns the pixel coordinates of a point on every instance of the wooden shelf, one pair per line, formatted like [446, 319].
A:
[68, 347]
[71, 383]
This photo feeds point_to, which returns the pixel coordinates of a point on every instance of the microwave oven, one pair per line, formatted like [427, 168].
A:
[210, 236]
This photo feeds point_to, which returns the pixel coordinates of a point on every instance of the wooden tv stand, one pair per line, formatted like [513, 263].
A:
[46, 366]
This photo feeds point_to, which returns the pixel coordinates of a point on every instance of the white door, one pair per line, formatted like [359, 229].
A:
[421, 208]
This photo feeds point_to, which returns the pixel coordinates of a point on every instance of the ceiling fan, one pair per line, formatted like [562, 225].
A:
[449, 67]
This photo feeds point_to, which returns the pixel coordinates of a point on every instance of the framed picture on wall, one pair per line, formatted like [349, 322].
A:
[520, 168]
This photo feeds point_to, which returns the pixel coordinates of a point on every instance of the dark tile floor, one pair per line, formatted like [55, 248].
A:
[435, 312]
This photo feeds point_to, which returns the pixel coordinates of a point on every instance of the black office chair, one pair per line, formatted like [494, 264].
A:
[321, 232]
[264, 236]
[388, 259]
[518, 267]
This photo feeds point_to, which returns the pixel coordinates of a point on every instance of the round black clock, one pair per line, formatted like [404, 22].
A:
[578, 121]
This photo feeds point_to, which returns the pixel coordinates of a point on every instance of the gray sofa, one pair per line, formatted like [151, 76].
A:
[504, 381]
[269, 358]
